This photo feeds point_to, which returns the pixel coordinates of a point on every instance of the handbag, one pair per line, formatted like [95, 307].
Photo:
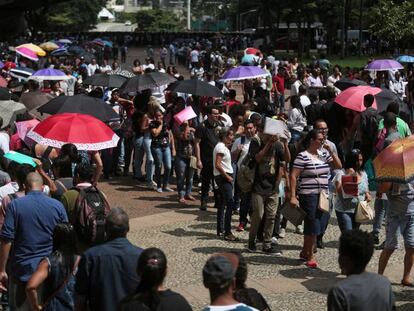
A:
[295, 215]
[323, 204]
[364, 212]
[193, 162]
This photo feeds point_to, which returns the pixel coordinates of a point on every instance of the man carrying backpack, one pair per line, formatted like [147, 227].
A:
[86, 207]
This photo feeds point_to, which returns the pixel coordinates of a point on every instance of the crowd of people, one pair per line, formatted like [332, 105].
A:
[59, 230]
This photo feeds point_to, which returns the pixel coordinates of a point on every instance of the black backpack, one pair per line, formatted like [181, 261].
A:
[91, 210]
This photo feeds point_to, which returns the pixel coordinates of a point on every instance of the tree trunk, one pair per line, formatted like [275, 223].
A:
[308, 39]
[288, 37]
[361, 6]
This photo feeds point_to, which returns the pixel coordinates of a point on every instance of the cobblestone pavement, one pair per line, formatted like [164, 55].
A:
[188, 237]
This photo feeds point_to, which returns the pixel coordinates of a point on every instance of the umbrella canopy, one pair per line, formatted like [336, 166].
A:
[124, 73]
[5, 93]
[244, 73]
[9, 110]
[395, 163]
[65, 41]
[345, 83]
[23, 127]
[146, 81]
[77, 50]
[98, 42]
[64, 128]
[253, 51]
[353, 97]
[1, 64]
[405, 59]
[33, 47]
[27, 53]
[3, 82]
[49, 74]
[21, 73]
[195, 87]
[87, 56]
[384, 64]
[49, 46]
[80, 104]
[61, 52]
[103, 79]
[35, 99]
[384, 98]
[249, 59]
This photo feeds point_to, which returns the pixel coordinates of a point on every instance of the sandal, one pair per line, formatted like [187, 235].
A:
[312, 264]
[407, 284]
[231, 237]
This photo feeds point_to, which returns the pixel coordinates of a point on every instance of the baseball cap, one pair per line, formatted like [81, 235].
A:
[218, 272]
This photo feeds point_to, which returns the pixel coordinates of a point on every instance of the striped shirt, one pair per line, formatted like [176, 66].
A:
[314, 171]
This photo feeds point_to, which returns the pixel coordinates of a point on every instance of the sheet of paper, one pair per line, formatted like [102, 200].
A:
[184, 115]
[275, 127]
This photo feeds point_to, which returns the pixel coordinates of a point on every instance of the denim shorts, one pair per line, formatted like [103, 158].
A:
[399, 224]
[314, 221]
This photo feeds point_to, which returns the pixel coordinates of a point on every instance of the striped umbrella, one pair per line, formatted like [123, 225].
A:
[21, 73]
[34, 48]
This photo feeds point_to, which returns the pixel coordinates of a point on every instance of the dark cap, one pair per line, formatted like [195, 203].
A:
[218, 272]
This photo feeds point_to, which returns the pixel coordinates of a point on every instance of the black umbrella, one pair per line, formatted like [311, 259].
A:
[80, 104]
[103, 79]
[195, 87]
[4, 93]
[386, 97]
[77, 50]
[345, 83]
[119, 71]
[146, 81]
[35, 99]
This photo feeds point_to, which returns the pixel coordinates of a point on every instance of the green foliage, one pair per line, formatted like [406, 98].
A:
[393, 21]
[158, 20]
[73, 15]
[122, 17]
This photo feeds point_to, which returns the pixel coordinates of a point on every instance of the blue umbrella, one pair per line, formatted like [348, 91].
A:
[107, 43]
[21, 73]
[405, 59]
[249, 59]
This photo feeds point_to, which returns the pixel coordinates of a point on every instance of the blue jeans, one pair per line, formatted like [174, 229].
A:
[245, 207]
[162, 156]
[236, 192]
[346, 221]
[142, 146]
[184, 176]
[281, 102]
[380, 207]
[225, 203]
[295, 136]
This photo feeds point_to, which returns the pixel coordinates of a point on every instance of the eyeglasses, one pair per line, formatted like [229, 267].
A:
[323, 130]
[355, 151]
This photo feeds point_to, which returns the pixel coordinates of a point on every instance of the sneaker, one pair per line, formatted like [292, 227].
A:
[299, 229]
[167, 189]
[159, 190]
[282, 233]
[203, 206]
[271, 251]
[231, 237]
[375, 238]
[274, 240]
[252, 247]
[240, 228]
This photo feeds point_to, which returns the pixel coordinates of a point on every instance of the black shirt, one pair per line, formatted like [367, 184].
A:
[208, 140]
[267, 170]
[107, 273]
[163, 139]
[169, 301]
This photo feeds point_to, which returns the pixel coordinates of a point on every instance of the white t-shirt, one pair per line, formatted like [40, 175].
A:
[4, 142]
[194, 56]
[245, 149]
[225, 162]
[237, 306]
[305, 101]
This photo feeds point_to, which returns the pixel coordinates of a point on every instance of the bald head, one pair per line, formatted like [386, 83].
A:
[34, 181]
[117, 223]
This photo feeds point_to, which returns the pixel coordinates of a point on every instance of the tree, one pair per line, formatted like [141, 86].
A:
[158, 20]
[394, 21]
[73, 15]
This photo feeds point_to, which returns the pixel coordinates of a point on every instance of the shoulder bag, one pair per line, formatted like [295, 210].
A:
[323, 204]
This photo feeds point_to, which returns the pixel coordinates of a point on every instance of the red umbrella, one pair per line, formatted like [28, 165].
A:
[84, 131]
[253, 51]
[353, 97]
[3, 82]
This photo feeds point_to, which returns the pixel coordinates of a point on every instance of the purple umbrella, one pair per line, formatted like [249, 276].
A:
[384, 64]
[49, 74]
[1, 64]
[244, 73]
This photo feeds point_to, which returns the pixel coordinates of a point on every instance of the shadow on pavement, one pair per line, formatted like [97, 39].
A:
[180, 232]
[316, 280]
[271, 260]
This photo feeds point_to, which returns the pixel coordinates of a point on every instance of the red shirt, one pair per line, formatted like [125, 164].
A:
[231, 103]
[279, 81]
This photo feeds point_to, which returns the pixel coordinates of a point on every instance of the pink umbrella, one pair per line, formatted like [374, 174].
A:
[23, 127]
[25, 52]
[353, 97]
[3, 82]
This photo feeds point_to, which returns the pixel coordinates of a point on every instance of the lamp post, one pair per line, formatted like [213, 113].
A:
[188, 14]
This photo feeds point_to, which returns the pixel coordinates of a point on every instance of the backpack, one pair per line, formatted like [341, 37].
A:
[369, 124]
[246, 173]
[91, 209]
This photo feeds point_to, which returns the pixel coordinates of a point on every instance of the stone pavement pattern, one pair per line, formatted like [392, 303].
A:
[188, 237]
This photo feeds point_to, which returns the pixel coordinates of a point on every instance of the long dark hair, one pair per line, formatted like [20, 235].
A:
[152, 269]
[68, 155]
[311, 135]
[64, 247]
[295, 103]
[351, 160]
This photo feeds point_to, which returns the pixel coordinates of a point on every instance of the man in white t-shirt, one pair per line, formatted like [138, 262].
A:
[92, 67]
[194, 57]
[304, 99]
[4, 138]
[219, 279]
